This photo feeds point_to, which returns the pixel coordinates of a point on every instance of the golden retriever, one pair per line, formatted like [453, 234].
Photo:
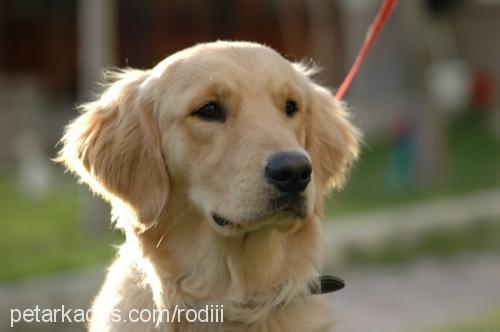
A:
[216, 163]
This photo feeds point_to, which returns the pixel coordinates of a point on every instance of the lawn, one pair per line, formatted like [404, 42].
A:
[45, 235]
[473, 163]
[488, 322]
[480, 236]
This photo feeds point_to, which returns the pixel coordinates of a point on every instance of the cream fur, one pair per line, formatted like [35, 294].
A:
[165, 172]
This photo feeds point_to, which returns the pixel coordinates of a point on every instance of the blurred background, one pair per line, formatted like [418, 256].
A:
[415, 233]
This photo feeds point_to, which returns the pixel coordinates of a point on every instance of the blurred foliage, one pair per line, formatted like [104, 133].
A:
[473, 163]
[44, 235]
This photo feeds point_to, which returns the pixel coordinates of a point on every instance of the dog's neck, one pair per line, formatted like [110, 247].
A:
[195, 265]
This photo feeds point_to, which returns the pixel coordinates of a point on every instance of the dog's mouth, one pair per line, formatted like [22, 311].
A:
[223, 221]
[286, 206]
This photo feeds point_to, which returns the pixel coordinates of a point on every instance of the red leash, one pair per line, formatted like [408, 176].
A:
[383, 14]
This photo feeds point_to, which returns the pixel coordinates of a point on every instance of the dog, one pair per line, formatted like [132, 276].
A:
[216, 163]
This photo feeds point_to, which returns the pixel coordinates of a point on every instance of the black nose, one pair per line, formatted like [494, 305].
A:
[290, 172]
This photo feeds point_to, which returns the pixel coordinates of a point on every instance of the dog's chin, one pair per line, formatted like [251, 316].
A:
[281, 219]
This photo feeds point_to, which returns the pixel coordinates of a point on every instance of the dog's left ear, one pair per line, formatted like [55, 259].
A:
[332, 141]
[114, 147]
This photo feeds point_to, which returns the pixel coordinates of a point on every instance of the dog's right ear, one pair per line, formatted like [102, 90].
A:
[114, 147]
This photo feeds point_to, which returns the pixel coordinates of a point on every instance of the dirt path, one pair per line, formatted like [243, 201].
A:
[373, 228]
[409, 297]
[418, 296]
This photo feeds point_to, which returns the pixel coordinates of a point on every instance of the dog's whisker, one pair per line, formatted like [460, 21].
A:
[171, 224]
[236, 180]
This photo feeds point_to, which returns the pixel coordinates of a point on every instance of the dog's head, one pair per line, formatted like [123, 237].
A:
[242, 133]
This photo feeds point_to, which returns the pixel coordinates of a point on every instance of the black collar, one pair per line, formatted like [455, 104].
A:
[325, 284]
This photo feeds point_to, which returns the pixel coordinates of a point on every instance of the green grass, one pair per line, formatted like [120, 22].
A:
[481, 236]
[40, 236]
[472, 159]
[45, 235]
[489, 322]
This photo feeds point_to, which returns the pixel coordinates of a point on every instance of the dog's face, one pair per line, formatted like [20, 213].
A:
[235, 131]
[251, 139]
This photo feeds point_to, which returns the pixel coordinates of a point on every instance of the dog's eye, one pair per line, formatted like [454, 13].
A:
[291, 108]
[211, 111]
